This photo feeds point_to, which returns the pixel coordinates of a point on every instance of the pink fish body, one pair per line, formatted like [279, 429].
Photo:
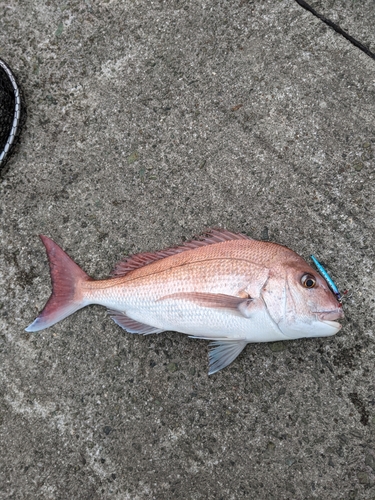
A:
[225, 287]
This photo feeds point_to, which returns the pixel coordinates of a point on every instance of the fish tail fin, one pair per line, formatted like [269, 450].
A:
[67, 296]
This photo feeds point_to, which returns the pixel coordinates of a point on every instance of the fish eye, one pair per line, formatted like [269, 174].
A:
[308, 281]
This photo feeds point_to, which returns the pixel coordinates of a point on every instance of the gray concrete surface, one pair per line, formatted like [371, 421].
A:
[356, 17]
[147, 123]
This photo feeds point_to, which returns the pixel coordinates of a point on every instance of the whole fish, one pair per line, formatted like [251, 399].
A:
[224, 287]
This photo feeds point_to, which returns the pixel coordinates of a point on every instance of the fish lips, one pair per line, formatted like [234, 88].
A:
[329, 317]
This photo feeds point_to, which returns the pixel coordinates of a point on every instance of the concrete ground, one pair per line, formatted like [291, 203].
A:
[147, 123]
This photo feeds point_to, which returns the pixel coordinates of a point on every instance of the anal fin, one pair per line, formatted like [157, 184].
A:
[223, 352]
[131, 325]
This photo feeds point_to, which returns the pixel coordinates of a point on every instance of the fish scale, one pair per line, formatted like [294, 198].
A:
[214, 276]
[141, 300]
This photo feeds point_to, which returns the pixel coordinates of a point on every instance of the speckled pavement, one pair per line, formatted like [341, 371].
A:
[149, 122]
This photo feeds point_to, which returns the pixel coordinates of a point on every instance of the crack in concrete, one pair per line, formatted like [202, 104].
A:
[337, 28]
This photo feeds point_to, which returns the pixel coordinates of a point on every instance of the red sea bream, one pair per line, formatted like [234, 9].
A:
[224, 287]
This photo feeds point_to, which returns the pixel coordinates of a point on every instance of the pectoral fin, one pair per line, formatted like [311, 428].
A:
[223, 353]
[236, 305]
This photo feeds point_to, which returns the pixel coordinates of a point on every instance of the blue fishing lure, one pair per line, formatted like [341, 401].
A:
[327, 277]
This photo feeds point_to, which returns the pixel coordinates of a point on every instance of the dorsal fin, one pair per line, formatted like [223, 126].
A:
[143, 259]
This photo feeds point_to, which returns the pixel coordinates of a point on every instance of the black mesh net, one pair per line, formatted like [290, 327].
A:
[11, 113]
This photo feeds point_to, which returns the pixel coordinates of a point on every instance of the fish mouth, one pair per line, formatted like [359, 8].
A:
[333, 324]
[330, 316]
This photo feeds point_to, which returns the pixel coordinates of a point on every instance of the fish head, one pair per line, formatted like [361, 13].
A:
[300, 301]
